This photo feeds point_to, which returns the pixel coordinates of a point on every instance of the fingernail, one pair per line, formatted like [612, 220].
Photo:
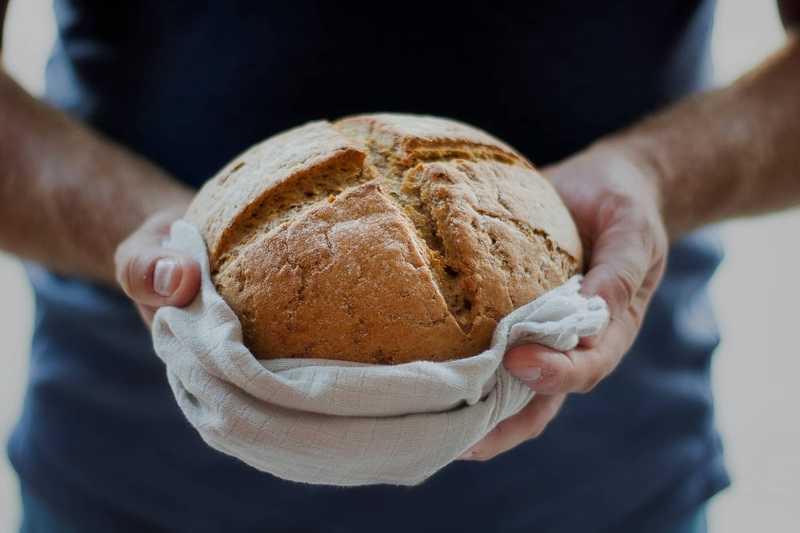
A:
[529, 374]
[166, 276]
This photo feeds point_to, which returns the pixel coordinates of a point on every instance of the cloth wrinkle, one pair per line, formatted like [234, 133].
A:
[332, 422]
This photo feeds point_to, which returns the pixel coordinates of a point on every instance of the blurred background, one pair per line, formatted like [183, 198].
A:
[755, 292]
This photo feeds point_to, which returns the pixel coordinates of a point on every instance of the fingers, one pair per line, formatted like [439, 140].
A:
[527, 424]
[548, 371]
[621, 258]
[153, 275]
[626, 267]
[621, 226]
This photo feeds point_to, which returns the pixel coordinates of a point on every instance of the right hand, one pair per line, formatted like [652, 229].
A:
[151, 274]
[616, 204]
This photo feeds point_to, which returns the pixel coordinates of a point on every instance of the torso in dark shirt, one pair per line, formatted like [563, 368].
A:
[190, 84]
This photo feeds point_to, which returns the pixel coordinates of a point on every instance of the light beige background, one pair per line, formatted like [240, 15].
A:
[755, 291]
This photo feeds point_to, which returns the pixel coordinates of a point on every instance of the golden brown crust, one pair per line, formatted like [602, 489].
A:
[382, 239]
[281, 162]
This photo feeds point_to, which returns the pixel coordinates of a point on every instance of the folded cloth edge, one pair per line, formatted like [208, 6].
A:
[324, 421]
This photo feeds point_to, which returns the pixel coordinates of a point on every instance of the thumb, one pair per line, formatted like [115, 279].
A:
[153, 275]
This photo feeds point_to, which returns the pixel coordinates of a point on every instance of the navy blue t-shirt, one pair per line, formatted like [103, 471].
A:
[189, 84]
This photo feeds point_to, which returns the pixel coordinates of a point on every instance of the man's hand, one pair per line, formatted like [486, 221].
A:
[616, 205]
[727, 153]
[152, 275]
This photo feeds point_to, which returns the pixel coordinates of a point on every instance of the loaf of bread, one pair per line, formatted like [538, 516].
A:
[381, 239]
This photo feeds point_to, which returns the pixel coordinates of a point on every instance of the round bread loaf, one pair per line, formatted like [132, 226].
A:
[381, 239]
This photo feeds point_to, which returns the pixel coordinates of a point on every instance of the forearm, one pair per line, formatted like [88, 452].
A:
[727, 153]
[68, 196]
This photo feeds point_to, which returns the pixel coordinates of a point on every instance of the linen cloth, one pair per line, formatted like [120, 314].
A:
[342, 423]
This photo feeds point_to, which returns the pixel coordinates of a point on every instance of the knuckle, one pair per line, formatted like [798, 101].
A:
[637, 221]
[615, 202]
[558, 377]
[623, 286]
[518, 358]
[136, 271]
[555, 374]
[189, 283]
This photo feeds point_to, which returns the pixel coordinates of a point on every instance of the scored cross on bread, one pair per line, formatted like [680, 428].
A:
[381, 239]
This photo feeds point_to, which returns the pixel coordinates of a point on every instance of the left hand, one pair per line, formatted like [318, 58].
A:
[615, 202]
[152, 275]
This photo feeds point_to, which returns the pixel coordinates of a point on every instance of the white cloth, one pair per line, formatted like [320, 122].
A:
[341, 423]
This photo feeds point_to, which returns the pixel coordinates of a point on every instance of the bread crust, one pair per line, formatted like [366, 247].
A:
[381, 239]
